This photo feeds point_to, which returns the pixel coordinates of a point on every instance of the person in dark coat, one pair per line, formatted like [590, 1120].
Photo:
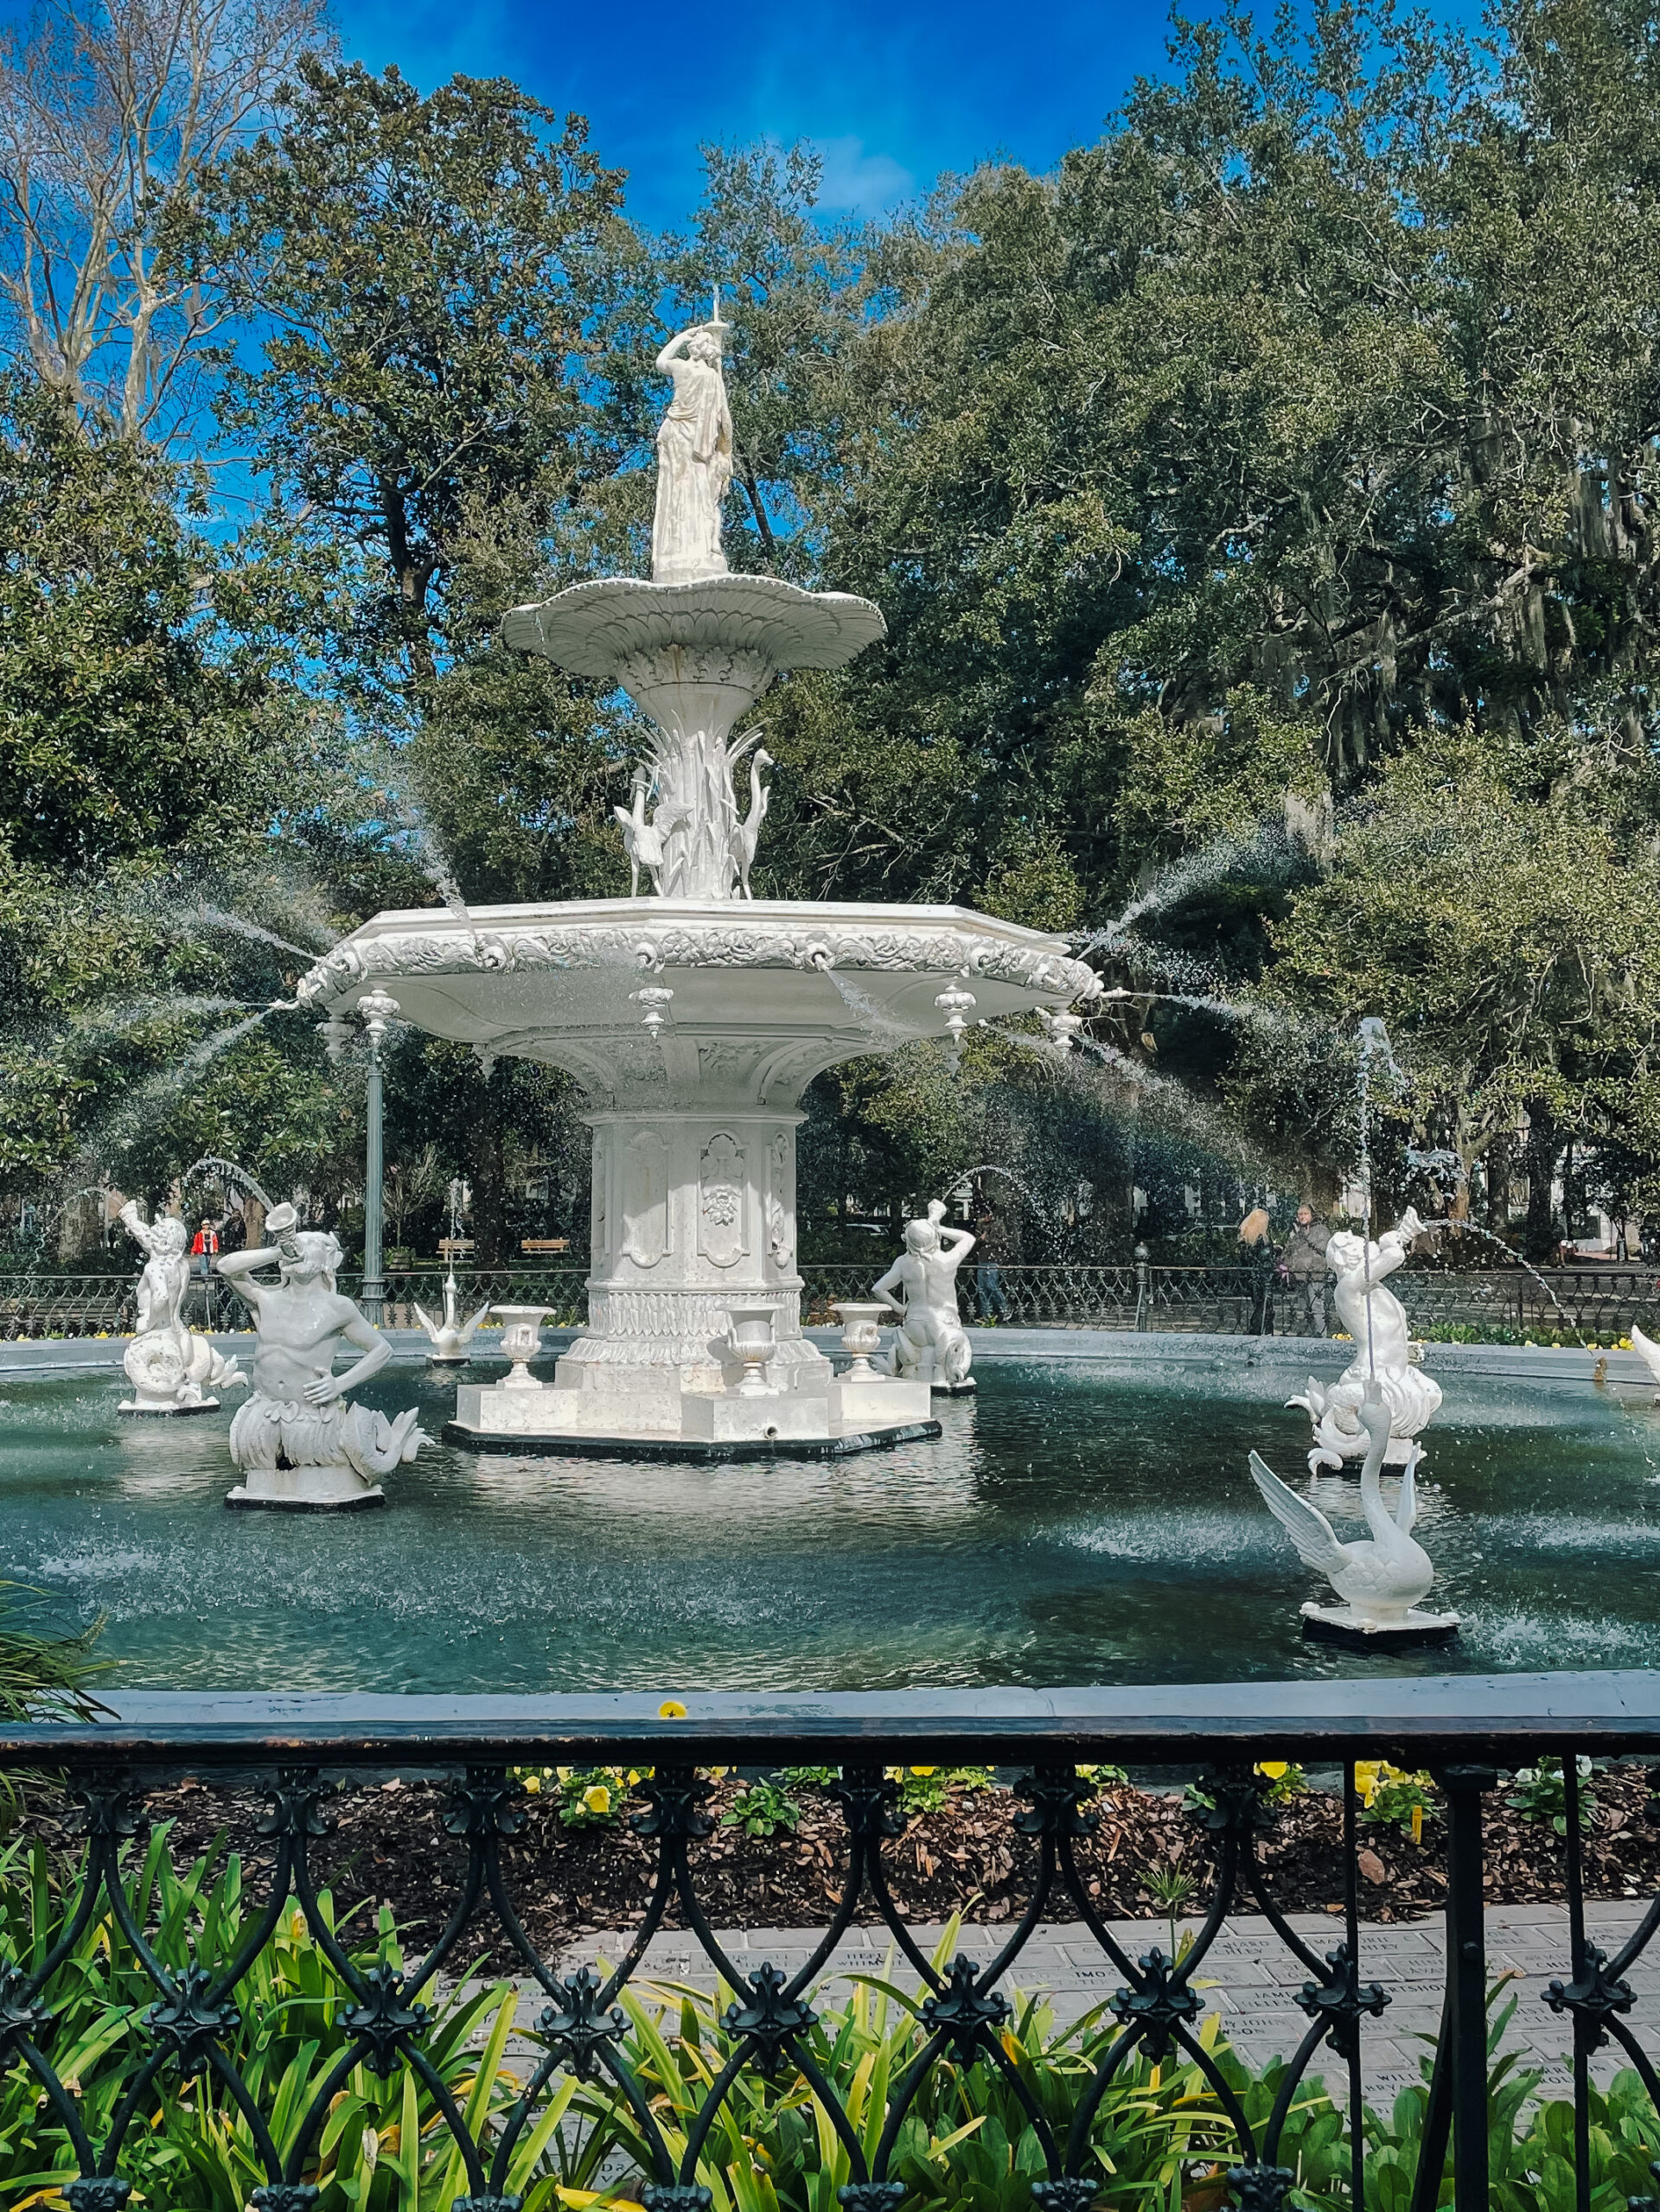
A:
[1307, 1269]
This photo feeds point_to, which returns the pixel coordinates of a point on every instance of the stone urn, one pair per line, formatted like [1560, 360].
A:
[754, 1342]
[521, 1342]
[861, 1335]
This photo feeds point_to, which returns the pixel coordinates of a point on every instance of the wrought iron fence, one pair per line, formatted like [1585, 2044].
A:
[98, 1982]
[1599, 1303]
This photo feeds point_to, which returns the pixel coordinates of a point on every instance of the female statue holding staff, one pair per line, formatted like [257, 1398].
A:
[695, 459]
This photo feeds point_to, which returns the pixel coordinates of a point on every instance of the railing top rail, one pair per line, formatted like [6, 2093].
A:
[1438, 1718]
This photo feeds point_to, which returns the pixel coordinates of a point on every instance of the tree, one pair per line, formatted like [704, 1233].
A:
[108, 115]
[1492, 905]
[427, 267]
[120, 730]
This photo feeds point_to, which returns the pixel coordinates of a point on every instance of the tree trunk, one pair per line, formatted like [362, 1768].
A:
[1542, 1148]
[1501, 1154]
[488, 1174]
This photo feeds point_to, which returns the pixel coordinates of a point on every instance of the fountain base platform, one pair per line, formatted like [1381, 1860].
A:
[1337, 1624]
[240, 1500]
[651, 1415]
[966, 1388]
[136, 1406]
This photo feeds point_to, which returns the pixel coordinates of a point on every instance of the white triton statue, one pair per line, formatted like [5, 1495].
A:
[169, 1368]
[1380, 1581]
[930, 1345]
[299, 1447]
[450, 1337]
[694, 458]
[1377, 1320]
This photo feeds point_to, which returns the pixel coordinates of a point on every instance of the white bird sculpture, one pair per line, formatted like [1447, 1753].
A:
[643, 841]
[450, 1337]
[1651, 1354]
[1380, 1581]
[744, 836]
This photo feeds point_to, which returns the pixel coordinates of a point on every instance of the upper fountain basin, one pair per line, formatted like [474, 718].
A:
[764, 993]
[598, 628]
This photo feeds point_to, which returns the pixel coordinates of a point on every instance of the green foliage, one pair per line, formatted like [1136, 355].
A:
[587, 1797]
[927, 1789]
[119, 730]
[383, 2147]
[766, 1807]
[45, 1677]
[1160, 2135]
[1395, 1797]
[428, 265]
[1540, 1793]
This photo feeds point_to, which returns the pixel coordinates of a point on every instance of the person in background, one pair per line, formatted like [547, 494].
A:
[1306, 1267]
[1263, 1260]
[204, 1250]
[988, 1284]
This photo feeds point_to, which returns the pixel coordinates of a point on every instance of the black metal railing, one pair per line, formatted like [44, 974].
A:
[1593, 1303]
[176, 2016]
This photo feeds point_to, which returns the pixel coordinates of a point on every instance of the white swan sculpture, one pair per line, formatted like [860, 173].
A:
[1650, 1353]
[450, 1337]
[1380, 1581]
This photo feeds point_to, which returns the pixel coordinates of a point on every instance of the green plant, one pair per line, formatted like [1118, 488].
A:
[1394, 1796]
[1285, 1779]
[925, 1789]
[383, 2146]
[1540, 1793]
[967, 2143]
[762, 1809]
[807, 1777]
[45, 1677]
[1105, 1777]
[587, 1797]
[1171, 1887]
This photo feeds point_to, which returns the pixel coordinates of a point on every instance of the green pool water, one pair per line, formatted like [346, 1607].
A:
[1076, 1523]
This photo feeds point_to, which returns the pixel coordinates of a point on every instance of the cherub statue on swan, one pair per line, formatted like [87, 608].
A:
[1379, 1580]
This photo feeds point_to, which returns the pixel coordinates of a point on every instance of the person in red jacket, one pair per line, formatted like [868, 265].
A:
[204, 1250]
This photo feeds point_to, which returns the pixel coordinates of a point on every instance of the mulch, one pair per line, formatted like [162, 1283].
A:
[386, 1845]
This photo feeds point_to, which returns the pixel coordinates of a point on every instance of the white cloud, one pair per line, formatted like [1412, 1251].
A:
[863, 183]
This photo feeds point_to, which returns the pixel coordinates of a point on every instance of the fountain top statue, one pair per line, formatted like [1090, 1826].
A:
[694, 458]
[697, 646]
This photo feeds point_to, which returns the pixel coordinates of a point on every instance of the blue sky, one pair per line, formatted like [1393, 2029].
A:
[890, 95]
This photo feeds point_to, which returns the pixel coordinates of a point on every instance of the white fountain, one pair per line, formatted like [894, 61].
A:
[694, 1016]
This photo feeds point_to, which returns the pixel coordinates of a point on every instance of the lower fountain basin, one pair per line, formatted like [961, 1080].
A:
[1077, 1522]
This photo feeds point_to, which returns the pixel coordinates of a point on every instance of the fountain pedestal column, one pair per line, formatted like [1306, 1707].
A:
[692, 1217]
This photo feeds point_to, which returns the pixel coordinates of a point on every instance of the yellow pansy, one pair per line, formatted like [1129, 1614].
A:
[596, 1798]
[924, 1770]
[533, 1785]
[1275, 1769]
[670, 1709]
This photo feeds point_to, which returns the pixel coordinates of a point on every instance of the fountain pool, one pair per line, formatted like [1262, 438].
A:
[1079, 1523]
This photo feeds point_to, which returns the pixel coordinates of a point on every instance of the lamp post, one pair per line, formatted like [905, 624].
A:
[377, 1009]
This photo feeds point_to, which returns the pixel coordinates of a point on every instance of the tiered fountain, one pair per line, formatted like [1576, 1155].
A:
[693, 1016]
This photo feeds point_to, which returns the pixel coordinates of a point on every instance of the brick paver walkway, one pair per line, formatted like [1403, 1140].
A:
[1253, 1978]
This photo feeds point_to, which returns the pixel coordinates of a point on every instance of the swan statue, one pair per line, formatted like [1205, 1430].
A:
[450, 1337]
[1649, 1352]
[744, 836]
[1380, 1581]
